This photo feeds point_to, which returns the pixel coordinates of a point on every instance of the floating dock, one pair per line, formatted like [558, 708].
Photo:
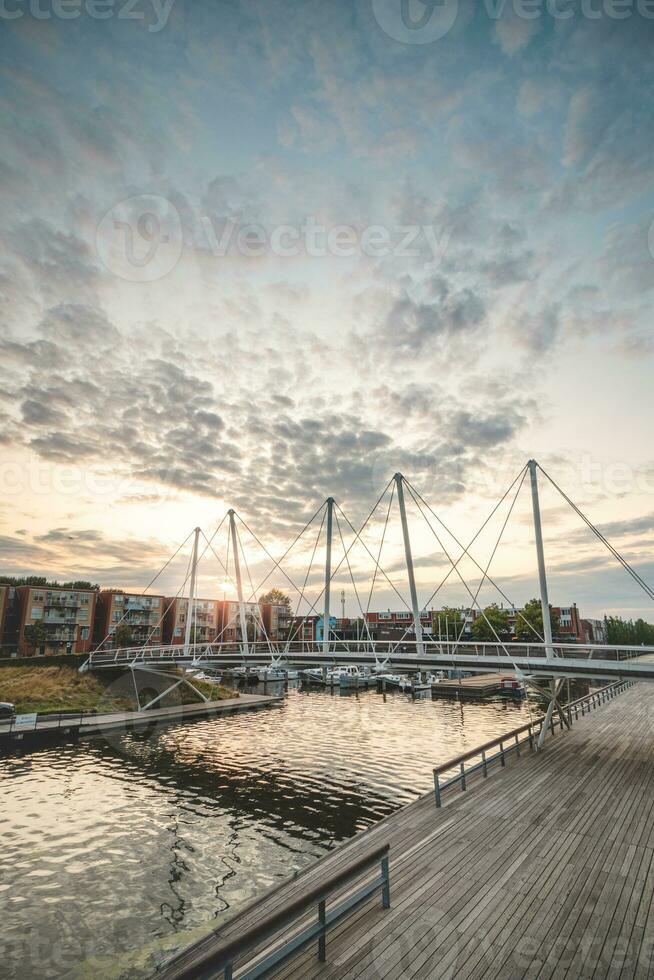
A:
[478, 685]
[70, 725]
[544, 869]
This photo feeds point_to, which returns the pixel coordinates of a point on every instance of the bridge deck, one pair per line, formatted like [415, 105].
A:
[543, 870]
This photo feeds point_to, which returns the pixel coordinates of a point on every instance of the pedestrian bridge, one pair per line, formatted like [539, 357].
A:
[530, 660]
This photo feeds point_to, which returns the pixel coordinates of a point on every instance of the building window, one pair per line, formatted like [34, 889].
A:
[36, 613]
[84, 633]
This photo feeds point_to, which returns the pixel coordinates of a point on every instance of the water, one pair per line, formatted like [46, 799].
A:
[116, 851]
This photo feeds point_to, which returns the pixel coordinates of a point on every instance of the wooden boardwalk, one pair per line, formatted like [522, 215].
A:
[545, 869]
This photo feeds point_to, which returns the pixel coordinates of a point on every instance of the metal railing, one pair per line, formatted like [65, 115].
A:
[210, 956]
[54, 720]
[369, 648]
[518, 738]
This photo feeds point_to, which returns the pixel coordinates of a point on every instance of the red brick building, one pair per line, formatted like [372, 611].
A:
[66, 616]
[206, 625]
[142, 614]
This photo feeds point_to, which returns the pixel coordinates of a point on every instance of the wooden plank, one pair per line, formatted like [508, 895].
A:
[542, 870]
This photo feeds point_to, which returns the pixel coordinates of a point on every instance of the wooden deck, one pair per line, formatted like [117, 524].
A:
[545, 869]
[478, 685]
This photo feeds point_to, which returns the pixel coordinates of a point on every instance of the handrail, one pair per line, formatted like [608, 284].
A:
[592, 701]
[203, 957]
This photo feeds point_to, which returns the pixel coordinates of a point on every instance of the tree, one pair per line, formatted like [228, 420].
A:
[122, 636]
[35, 635]
[277, 598]
[532, 612]
[497, 618]
[448, 622]
[624, 632]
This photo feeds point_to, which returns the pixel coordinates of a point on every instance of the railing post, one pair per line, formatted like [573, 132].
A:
[531, 739]
[463, 777]
[228, 971]
[517, 744]
[386, 887]
[437, 789]
[483, 760]
[322, 919]
[502, 759]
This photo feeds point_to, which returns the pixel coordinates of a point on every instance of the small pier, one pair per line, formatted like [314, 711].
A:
[476, 686]
[543, 869]
[70, 725]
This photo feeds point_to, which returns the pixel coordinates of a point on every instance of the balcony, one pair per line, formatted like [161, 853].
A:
[57, 602]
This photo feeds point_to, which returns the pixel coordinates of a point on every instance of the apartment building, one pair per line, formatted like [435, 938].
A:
[570, 629]
[206, 624]
[65, 615]
[594, 630]
[276, 619]
[4, 607]
[143, 615]
[255, 617]
[394, 621]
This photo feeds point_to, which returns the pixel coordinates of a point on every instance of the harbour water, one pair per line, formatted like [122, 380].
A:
[115, 851]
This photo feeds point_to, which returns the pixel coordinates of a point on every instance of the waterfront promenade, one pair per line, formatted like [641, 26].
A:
[542, 870]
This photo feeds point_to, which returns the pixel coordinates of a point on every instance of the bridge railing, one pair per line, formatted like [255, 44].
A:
[200, 653]
[483, 757]
[211, 956]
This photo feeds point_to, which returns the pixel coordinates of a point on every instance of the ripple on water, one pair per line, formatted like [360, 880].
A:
[111, 845]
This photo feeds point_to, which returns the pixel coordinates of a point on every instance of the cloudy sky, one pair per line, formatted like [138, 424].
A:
[253, 254]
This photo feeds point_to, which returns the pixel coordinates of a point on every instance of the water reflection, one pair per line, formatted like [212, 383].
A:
[114, 845]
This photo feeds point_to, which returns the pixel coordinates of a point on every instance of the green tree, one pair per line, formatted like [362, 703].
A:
[532, 612]
[493, 617]
[450, 620]
[277, 598]
[624, 632]
[35, 635]
[122, 636]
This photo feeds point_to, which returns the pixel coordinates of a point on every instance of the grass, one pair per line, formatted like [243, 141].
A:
[51, 689]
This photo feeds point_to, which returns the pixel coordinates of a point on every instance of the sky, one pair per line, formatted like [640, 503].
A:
[256, 254]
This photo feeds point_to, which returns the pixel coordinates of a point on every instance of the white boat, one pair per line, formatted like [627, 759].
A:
[273, 672]
[349, 676]
[411, 685]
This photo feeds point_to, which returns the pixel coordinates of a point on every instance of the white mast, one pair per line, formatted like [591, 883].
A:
[417, 625]
[239, 586]
[328, 576]
[191, 592]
